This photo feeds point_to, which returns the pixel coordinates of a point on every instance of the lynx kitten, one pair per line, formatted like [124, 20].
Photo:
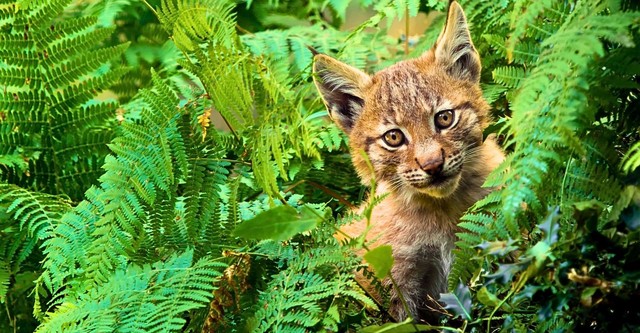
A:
[420, 124]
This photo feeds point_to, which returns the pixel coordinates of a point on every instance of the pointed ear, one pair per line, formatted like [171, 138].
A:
[340, 86]
[454, 48]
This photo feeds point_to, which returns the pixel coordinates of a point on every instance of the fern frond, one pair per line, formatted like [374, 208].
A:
[331, 138]
[298, 297]
[550, 85]
[524, 53]
[28, 218]
[36, 212]
[632, 159]
[192, 23]
[116, 209]
[508, 76]
[5, 276]
[156, 296]
[52, 70]
[523, 16]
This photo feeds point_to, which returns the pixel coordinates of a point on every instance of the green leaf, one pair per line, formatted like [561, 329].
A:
[5, 276]
[499, 248]
[280, 223]
[340, 8]
[380, 259]
[540, 251]
[504, 273]
[550, 225]
[459, 302]
[586, 296]
[406, 326]
[487, 298]
[490, 299]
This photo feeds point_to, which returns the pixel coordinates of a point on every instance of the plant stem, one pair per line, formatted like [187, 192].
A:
[406, 31]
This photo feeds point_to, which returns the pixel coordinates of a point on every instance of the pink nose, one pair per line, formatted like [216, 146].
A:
[431, 167]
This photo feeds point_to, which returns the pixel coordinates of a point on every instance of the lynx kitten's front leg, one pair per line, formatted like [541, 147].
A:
[424, 273]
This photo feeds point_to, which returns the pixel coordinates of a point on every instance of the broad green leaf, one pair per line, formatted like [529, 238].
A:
[280, 223]
[499, 248]
[406, 326]
[491, 300]
[540, 251]
[504, 273]
[550, 225]
[380, 259]
[459, 302]
[487, 298]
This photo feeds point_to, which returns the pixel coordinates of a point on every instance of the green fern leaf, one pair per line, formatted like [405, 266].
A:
[156, 297]
[508, 76]
[52, 71]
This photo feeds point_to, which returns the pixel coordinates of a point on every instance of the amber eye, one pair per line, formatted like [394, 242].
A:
[394, 138]
[444, 119]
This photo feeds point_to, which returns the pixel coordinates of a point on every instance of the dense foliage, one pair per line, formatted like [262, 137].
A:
[122, 207]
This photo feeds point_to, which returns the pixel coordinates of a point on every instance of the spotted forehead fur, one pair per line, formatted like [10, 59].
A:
[411, 91]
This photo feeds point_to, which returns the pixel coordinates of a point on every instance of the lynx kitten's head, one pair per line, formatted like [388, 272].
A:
[419, 121]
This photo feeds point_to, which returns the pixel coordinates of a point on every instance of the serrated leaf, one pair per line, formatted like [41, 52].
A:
[550, 225]
[499, 248]
[504, 273]
[280, 223]
[381, 260]
[459, 302]
[540, 252]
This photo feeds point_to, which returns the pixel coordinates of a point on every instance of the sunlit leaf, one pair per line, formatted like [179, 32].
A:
[279, 223]
[380, 259]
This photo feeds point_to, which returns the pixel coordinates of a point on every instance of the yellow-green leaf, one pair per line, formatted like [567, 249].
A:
[280, 223]
[380, 259]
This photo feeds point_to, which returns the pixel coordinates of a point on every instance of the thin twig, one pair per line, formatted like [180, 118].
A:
[243, 30]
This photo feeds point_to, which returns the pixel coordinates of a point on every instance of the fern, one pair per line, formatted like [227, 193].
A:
[53, 133]
[525, 52]
[551, 113]
[141, 299]
[51, 70]
[139, 210]
[632, 159]
[567, 94]
[524, 16]
[302, 295]
[28, 219]
[509, 77]
[131, 182]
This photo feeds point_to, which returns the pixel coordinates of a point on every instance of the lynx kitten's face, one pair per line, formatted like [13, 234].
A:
[420, 121]
[419, 128]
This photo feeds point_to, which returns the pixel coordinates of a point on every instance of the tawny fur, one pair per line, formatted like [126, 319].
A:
[419, 216]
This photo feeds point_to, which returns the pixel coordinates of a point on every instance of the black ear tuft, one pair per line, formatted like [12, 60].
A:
[313, 50]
